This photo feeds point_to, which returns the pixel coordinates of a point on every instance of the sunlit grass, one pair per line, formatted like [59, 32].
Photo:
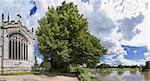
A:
[16, 73]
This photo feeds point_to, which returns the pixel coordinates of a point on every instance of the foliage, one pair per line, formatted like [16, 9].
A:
[36, 66]
[118, 69]
[147, 65]
[120, 66]
[46, 65]
[103, 65]
[63, 38]
[84, 74]
[134, 66]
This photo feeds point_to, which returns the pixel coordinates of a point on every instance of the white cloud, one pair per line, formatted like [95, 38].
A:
[143, 37]
[147, 56]
[119, 59]
[135, 51]
[131, 8]
[103, 24]
[139, 39]
[128, 27]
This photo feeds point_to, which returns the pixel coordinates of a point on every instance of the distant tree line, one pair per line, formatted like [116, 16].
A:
[119, 66]
[146, 67]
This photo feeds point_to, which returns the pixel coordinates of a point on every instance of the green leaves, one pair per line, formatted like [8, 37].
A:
[147, 65]
[63, 36]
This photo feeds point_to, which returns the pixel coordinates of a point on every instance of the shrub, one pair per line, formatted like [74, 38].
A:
[147, 66]
[84, 74]
[46, 65]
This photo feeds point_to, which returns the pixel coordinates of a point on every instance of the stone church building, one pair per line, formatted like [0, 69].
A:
[16, 46]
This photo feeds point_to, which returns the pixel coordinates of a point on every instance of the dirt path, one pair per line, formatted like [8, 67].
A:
[37, 78]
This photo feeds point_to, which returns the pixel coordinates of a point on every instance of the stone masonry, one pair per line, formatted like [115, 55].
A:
[16, 46]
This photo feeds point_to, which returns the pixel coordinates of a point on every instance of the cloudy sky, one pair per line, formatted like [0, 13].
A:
[122, 25]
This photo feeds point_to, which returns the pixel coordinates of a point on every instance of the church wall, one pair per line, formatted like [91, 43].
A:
[0, 55]
[18, 65]
[0, 48]
[31, 57]
[6, 49]
[0, 51]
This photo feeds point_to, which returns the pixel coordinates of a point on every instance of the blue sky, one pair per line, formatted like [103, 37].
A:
[122, 25]
[135, 53]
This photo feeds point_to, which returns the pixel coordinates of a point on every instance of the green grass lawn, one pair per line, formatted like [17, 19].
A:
[16, 73]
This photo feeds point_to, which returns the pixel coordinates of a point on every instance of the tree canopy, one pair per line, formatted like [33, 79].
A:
[64, 39]
[103, 65]
[147, 65]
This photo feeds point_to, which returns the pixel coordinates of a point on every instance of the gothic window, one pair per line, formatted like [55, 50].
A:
[12, 52]
[18, 47]
[10, 48]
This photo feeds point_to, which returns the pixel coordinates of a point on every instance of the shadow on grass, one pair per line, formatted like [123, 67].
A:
[55, 73]
[47, 73]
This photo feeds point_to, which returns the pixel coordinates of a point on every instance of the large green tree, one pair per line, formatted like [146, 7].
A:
[63, 38]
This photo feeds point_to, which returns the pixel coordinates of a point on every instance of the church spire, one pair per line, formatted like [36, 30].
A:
[8, 18]
[2, 18]
[19, 18]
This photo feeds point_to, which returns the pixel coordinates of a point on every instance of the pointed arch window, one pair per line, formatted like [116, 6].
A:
[18, 47]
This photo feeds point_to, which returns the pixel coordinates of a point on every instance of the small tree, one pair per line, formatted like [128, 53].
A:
[46, 65]
[147, 65]
[103, 65]
[120, 66]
